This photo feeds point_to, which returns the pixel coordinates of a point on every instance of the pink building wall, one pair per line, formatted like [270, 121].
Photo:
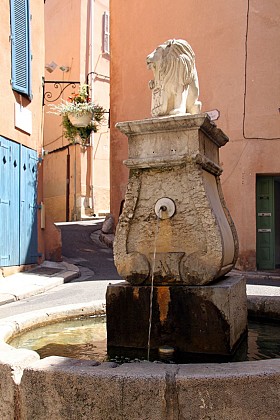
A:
[237, 57]
[70, 42]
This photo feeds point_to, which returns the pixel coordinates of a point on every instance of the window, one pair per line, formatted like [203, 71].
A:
[106, 33]
[20, 45]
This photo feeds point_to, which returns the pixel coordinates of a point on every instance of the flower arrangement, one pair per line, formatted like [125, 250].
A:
[80, 116]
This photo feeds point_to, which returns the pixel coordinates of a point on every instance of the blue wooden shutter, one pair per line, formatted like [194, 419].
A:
[20, 41]
[28, 206]
[9, 202]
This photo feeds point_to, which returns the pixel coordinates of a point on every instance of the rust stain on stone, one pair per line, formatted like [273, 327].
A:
[163, 298]
[136, 292]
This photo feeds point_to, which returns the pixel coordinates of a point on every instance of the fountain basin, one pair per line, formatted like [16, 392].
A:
[64, 388]
[84, 338]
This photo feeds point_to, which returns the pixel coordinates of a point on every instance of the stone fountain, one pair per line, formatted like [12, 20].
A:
[175, 240]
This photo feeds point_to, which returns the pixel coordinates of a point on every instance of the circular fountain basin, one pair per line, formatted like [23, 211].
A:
[56, 386]
[84, 338]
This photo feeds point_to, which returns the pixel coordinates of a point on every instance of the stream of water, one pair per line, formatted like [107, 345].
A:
[152, 286]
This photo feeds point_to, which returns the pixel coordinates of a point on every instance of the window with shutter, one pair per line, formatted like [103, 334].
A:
[106, 33]
[20, 46]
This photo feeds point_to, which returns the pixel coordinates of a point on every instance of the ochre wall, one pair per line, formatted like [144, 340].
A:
[237, 57]
[62, 39]
[9, 98]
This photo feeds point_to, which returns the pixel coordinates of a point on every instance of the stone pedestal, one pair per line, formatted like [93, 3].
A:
[175, 234]
[206, 320]
[174, 159]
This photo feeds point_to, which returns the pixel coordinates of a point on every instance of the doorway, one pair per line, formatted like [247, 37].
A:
[268, 222]
[18, 204]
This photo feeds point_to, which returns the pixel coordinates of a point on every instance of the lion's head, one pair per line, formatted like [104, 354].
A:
[173, 61]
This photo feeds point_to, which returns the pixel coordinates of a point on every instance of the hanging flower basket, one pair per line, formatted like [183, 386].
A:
[80, 116]
[82, 120]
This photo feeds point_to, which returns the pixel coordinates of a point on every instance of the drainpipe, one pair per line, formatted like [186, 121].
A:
[68, 185]
[75, 185]
[92, 46]
[92, 96]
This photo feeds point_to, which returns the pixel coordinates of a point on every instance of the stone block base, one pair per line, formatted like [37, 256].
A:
[208, 319]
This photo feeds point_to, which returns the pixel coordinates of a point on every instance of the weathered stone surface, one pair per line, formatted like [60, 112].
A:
[108, 225]
[12, 364]
[177, 158]
[7, 393]
[267, 307]
[67, 389]
[145, 392]
[232, 391]
[75, 390]
[192, 319]
[107, 239]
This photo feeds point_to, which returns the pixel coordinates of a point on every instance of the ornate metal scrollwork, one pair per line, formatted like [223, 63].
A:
[61, 86]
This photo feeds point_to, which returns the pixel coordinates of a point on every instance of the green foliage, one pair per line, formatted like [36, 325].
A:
[71, 132]
[79, 104]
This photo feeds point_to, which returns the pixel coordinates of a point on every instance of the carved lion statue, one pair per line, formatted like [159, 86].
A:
[175, 87]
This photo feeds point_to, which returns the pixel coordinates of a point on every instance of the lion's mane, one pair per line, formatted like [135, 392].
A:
[177, 63]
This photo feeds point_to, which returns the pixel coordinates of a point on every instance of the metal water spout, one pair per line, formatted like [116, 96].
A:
[165, 208]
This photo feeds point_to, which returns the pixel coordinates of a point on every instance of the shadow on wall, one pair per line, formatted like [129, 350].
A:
[53, 242]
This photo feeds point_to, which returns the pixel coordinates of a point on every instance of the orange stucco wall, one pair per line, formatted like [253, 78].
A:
[237, 57]
[62, 40]
[9, 98]
[69, 41]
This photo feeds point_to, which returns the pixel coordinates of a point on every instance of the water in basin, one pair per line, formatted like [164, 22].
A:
[85, 338]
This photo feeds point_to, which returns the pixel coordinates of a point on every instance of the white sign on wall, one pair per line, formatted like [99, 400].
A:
[23, 118]
[214, 114]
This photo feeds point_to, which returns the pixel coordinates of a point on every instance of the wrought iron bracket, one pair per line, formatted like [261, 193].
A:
[60, 85]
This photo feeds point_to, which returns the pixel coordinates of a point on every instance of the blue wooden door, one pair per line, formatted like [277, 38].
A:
[9, 202]
[28, 206]
[18, 204]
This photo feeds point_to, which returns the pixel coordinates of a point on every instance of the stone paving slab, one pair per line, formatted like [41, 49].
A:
[262, 290]
[6, 298]
[23, 285]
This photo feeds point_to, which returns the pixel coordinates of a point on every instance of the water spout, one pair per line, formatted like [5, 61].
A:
[165, 208]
